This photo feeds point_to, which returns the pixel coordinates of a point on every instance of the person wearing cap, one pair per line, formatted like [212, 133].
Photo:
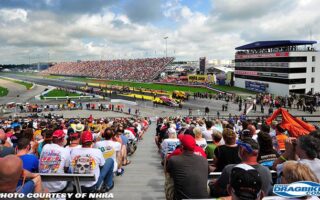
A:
[88, 160]
[78, 127]
[248, 152]
[189, 171]
[55, 158]
[245, 183]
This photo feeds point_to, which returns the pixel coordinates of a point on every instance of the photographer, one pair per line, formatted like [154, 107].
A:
[304, 149]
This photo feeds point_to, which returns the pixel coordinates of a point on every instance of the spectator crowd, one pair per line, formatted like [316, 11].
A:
[249, 156]
[60, 146]
[132, 69]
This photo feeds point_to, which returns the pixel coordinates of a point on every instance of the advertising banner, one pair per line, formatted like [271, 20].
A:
[200, 79]
[256, 86]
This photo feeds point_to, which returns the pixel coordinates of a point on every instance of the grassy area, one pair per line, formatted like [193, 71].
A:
[61, 93]
[227, 88]
[155, 86]
[3, 91]
[54, 77]
[21, 73]
[27, 85]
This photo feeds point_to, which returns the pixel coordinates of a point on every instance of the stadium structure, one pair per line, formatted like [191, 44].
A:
[145, 69]
[278, 67]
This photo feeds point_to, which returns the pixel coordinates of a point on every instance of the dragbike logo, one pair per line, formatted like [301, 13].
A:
[297, 189]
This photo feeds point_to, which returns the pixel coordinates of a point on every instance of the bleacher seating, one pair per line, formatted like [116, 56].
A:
[133, 69]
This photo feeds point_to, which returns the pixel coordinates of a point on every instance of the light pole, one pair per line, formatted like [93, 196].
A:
[166, 38]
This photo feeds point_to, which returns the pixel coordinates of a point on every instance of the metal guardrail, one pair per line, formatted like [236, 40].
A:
[76, 178]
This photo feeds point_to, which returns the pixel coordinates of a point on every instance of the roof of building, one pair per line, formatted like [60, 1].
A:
[275, 43]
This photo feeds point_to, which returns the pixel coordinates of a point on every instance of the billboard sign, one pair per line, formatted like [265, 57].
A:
[201, 78]
[256, 86]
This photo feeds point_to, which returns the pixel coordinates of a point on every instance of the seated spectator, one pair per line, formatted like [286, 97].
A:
[189, 172]
[267, 155]
[209, 130]
[5, 148]
[88, 160]
[304, 149]
[11, 171]
[110, 148]
[281, 138]
[245, 183]
[74, 138]
[30, 161]
[248, 152]
[253, 131]
[117, 137]
[228, 153]
[294, 172]
[55, 158]
[170, 144]
[124, 160]
[47, 139]
[201, 142]
[113, 69]
[216, 136]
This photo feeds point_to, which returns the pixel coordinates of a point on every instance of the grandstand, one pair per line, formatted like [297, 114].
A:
[145, 69]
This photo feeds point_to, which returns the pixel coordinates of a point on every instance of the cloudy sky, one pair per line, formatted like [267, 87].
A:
[68, 30]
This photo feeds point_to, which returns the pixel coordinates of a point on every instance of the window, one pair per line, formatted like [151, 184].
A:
[312, 80]
[274, 69]
[273, 79]
[313, 59]
[274, 59]
[313, 69]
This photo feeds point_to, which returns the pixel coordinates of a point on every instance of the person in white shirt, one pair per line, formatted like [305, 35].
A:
[169, 145]
[200, 141]
[207, 134]
[88, 160]
[55, 159]
[110, 148]
[74, 138]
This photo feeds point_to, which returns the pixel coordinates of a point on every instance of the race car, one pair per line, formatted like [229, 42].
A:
[179, 95]
[166, 101]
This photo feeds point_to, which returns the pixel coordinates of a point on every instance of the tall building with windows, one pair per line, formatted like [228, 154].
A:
[278, 67]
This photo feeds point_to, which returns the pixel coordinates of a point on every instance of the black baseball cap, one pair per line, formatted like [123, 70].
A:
[245, 181]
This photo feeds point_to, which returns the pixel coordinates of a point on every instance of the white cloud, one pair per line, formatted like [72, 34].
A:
[9, 15]
[192, 34]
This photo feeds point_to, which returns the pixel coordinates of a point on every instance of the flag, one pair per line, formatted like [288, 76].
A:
[295, 126]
